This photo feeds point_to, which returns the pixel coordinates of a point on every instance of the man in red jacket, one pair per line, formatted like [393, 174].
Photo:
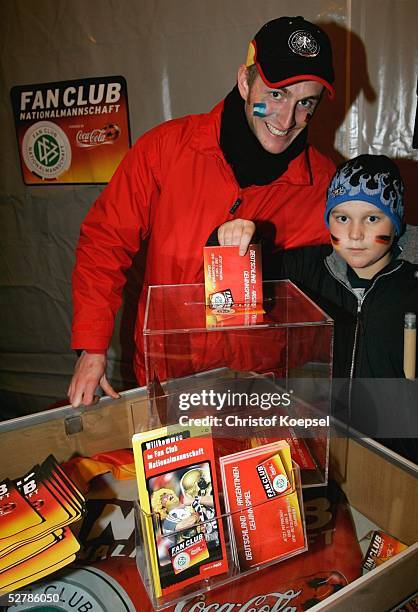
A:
[248, 157]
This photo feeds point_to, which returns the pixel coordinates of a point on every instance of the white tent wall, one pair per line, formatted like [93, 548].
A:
[178, 57]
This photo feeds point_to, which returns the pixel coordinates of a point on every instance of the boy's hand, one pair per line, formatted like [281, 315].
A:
[236, 233]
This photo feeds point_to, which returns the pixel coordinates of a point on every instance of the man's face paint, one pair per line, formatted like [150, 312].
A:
[259, 109]
[277, 116]
[362, 234]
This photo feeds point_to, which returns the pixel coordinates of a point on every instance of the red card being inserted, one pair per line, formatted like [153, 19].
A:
[232, 280]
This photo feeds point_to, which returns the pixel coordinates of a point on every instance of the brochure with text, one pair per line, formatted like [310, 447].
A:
[260, 493]
[179, 500]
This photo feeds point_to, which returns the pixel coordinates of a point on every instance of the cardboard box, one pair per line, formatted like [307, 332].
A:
[378, 483]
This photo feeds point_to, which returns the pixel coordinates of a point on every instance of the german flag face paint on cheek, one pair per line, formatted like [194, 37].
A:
[335, 241]
[383, 239]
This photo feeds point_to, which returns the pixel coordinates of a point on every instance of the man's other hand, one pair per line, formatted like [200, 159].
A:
[238, 232]
[89, 373]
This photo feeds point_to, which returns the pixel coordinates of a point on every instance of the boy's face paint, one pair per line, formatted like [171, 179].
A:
[382, 239]
[277, 116]
[362, 234]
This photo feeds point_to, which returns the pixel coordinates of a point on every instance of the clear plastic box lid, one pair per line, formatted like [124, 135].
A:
[181, 308]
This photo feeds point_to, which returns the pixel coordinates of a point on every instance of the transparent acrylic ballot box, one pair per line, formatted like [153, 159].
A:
[253, 376]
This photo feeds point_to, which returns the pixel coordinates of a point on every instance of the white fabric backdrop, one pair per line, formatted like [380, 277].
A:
[178, 57]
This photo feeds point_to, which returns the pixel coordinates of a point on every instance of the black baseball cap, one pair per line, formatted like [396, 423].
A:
[289, 50]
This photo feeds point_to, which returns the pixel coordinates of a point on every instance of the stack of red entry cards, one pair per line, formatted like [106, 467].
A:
[35, 511]
[233, 285]
[266, 521]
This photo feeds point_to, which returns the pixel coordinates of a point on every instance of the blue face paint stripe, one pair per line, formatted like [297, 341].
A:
[259, 109]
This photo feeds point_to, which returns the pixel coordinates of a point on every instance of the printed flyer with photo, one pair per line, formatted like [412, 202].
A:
[179, 500]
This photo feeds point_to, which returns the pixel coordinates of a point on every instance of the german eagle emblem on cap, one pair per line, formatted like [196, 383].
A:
[303, 43]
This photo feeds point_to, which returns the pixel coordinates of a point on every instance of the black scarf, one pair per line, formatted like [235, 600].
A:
[251, 164]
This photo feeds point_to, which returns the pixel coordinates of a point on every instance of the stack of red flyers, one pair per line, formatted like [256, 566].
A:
[35, 511]
[298, 447]
[266, 521]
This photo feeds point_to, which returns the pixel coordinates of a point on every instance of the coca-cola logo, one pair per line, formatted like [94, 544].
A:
[99, 136]
[271, 602]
